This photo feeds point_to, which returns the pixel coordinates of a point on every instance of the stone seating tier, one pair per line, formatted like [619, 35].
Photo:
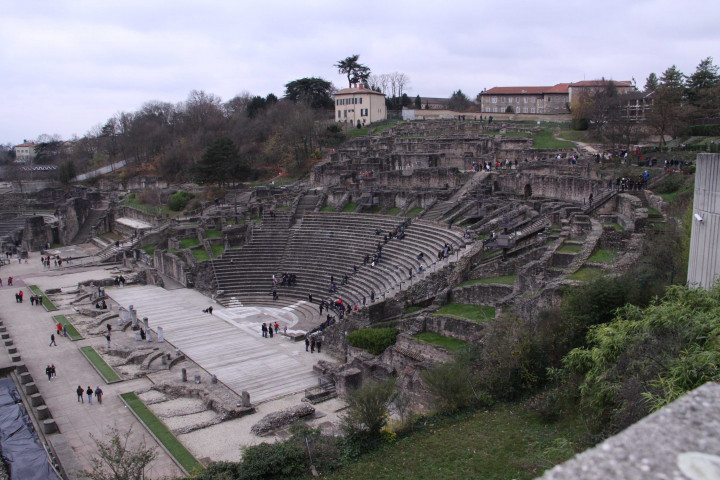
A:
[325, 244]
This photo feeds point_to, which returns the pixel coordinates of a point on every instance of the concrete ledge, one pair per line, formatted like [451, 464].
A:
[30, 388]
[8, 343]
[25, 377]
[4, 336]
[49, 426]
[20, 368]
[15, 358]
[43, 412]
[12, 350]
[36, 400]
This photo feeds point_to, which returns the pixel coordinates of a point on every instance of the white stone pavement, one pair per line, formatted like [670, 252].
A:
[229, 342]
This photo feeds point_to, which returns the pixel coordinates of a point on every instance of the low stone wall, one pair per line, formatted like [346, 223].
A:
[614, 240]
[481, 294]
[129, 212]
[453, 327]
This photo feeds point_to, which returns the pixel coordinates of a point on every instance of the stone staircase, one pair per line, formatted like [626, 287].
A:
[307, 204]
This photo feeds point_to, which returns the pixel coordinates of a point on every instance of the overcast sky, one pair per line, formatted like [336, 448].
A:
[70, 65]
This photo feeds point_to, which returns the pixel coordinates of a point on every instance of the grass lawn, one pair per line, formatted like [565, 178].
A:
[574, 135]
[213, 233]
[668, 197]
[327, 208]
[149, 249]
[189, 242]
[217, 250]
[49, 306]
[69, 328]
[504, 443]
[413, 212]
[350, 207]
[392, 211]
[200, 254]
[162, 433]
[477, 313]
[413, 309]
[584, 274]
[569, 248]
[132, 201]
[504, 280]
[616, 226]
[448, 343]
[545, 139]
[103, 368]
[603, 255]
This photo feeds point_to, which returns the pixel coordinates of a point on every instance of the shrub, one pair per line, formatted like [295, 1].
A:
[178, 200]
[272, 461]
[374, 340]
[368, 405]
[449, 383]
[670, 185]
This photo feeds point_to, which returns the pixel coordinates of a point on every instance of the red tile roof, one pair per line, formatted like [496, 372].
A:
[30, 144]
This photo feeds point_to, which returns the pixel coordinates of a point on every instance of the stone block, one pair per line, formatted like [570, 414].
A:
[12, 350]
[25, 377]
[30, 388]
[36, 400]
[49, 426]
[20, 368]
[5, 336]
[283, 418]
[3, 329]
[15, 358]
[246, 399]
[349, 379]
[8, 343]
[43, 412]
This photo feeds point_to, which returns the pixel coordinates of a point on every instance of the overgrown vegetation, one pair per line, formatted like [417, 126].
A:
[503, 280]
[179, 200]
[448, 343]
[477, 313]
[374, 340]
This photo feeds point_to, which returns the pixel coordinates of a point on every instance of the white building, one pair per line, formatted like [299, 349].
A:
[359, 105]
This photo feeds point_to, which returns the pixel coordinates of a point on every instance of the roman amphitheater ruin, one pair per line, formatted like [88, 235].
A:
[387, 230]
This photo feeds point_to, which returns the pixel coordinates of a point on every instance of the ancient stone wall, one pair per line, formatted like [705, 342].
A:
[35, 236]
[171, 265]
[480, 294]
[129, 212]
[72, 216]
[573, 188]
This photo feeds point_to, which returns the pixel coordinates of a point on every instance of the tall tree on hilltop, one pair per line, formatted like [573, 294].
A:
[314, 91]
[651, 83]
[221, 163]
[702, 85]
[670, 108]
[459, 102]
[354, 70]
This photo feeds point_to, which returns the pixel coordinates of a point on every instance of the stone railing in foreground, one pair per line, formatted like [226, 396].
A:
[679, 441]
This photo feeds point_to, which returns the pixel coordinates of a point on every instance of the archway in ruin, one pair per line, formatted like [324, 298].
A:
[528, 191]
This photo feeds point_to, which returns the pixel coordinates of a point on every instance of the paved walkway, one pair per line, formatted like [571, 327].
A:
[30, 329]
[227, 343]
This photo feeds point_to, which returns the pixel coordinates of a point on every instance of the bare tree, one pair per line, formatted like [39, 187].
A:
[117, 461]
[403, 83]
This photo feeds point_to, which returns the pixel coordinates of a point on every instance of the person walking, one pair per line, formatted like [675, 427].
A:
[80, 390]
[48, 372]
[89, 392]
[318, 343]
[107, 337]
[52, 370]
[52, 340]
[270, 329]
[307, 344]
[264, 331]
[98, 394]
[312, 346]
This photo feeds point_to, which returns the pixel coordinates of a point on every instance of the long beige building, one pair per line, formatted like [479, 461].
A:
[359, 105]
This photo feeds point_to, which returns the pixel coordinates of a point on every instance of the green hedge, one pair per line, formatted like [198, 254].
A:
[374, 340]
[178, 200]
[712, 130]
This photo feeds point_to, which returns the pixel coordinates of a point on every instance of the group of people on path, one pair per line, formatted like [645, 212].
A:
[312, 342]
[89, 392]
[56, 260]
[270, 329]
